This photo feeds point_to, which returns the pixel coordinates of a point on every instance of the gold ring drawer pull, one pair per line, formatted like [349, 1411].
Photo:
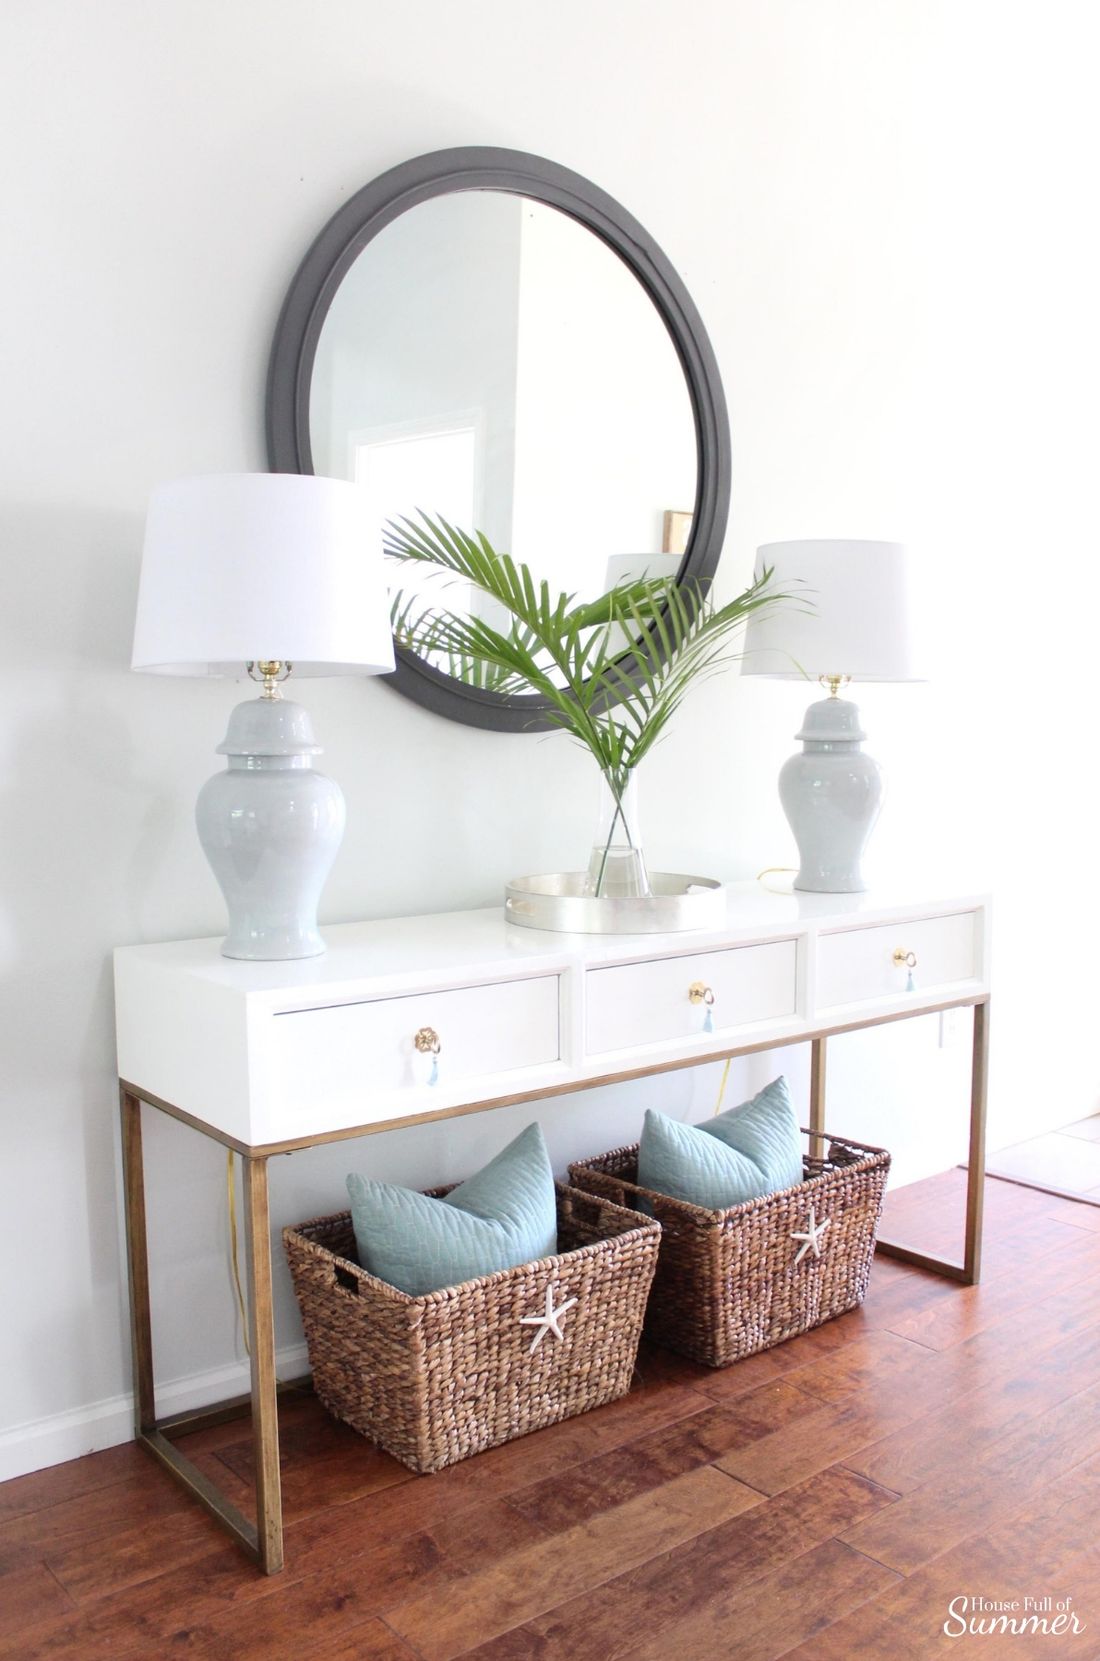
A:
[906, 960]
[700, 993]
[427, 1043]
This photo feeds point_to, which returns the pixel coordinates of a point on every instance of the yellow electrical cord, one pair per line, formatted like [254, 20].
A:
[775, 870]
[722, 1086]
[232, 1190]
[234, 1258]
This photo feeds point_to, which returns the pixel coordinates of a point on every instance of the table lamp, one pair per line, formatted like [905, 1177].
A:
[854, 626]
[265, 574]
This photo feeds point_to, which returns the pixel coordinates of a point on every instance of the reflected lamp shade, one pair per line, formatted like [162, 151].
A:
[851, 618]
[268, 574]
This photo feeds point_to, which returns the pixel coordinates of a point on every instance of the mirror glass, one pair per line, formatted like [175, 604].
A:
[489, 358]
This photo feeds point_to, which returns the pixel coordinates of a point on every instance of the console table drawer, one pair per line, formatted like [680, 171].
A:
[855, 965]
[647, 1003]
[369, 1048]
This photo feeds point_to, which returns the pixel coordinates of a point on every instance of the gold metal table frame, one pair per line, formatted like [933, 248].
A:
[263, 1539]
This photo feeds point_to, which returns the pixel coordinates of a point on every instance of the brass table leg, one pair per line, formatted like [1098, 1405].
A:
[975, 1166]
[137, 1264]
[968, 1272]
[265, 1419]
[263, 1541]
[817, 1097]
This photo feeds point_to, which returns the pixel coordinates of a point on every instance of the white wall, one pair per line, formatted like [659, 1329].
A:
[884, 214]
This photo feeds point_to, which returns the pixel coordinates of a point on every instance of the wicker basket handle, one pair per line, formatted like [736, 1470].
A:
[345, 1279]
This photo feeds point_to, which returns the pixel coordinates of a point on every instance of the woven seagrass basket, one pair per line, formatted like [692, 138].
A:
[436, 1378]
[727, 1282]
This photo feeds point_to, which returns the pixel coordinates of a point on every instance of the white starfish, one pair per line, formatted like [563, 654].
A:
[548, 1322]
[812, 1237]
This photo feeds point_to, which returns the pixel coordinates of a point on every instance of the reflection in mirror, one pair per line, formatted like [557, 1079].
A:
[489, 359]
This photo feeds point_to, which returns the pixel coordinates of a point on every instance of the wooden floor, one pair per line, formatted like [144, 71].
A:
[824, 1501]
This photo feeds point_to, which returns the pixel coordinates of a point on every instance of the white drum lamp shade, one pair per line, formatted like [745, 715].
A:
[245, 567]
[271, 574]
[854, 618]
[850, 619]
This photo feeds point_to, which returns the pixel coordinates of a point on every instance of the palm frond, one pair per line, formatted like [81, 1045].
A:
[611, 672]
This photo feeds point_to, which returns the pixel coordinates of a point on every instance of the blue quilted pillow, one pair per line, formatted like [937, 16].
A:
[739, 1155]
[503, 1216]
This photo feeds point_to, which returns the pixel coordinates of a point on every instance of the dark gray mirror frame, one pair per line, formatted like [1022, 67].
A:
[320, 275]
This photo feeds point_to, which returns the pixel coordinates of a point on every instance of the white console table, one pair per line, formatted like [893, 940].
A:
[267, 1058]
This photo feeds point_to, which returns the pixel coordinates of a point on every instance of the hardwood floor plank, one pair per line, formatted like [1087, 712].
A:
[650, 1598]
[478, 1536]
[323, 1608]
[764, 1620]
[295, 1407]
[878, 1361]
[996, 1483]
[335, 1465]
[1076, 1641]
[1047, 1547]
[29, 1596]
[383, 1519]
[533, 1580]
[647, 1461]
[996, 1350]
[146, 1494]
[547, 1454]
[108, 1563]
[868, 1634]
[768, 1409]
[371, 1642]
[1073, 1212]
[491, 1474]
[41, 1489]
[1050, 1532]
[309, 1486]
[985, 1362]
[931, 1218]
[828, 1437]
[938, 1443]
[1064, 1272]
[885, 1269]
[133, 1622]
[308, 1435]
[724, 1384]
[939, 1200]
[284, 1615]
[890, 1301]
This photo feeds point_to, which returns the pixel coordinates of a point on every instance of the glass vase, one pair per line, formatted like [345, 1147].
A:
[617, 867]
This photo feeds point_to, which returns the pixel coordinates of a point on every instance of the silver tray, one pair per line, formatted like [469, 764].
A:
[558, 902]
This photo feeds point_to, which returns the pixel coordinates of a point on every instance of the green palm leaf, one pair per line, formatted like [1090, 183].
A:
[616, 700]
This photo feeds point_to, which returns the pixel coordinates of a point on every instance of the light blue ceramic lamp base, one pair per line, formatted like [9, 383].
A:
[831, 794]
[271, 827]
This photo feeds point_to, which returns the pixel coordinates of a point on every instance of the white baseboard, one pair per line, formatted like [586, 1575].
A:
[104, 1424]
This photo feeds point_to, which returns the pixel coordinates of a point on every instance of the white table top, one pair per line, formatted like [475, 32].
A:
[484, 941]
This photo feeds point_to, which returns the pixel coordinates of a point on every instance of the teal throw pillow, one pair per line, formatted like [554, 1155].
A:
[503, 1216]
[739, 1155]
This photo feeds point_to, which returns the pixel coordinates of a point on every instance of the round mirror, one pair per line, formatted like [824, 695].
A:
[485, 337]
